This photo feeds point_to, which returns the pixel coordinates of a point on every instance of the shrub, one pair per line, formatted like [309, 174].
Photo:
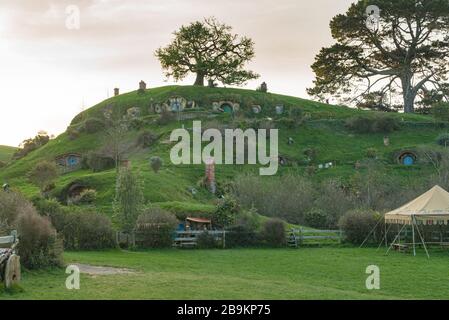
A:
[136, 123]
[85, 230]
[37, 246]
[94, 231]
[287, 122]
[333, 200]
[372, 124]
[155, 228]
[205, 240]
[316, 218]
[440, 111]
[44, 175]
[287, 197]
[156, 164]
[37, 240]
[244, 232]
[296, 114]
[311, 154]
[93, 125]
[165, 118]
[98, 162]
[226, 212]
[357, 225]
[273, 233]
[371, 153]
[87, 196]
[2, 164]
[146, 139]
[73, 133]
[443, 139]
[384, 124]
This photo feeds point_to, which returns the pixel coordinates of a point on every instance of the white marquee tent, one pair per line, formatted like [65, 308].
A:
[431, 208]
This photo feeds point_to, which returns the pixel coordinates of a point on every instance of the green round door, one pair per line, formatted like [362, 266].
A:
[227, 108]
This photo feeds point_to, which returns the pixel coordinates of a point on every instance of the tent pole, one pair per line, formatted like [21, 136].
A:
[422, 240]
[386, 231]
[385, 237]
[395, 239]
[370, 233]
[413, 235]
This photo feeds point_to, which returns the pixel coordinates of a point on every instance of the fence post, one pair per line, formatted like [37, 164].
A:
[224, 239]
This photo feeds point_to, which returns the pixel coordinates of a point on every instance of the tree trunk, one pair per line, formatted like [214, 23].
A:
[408, 93]
[409, 102]
[199, 79]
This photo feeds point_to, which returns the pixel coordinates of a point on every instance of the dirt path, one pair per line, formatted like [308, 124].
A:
[101, 271]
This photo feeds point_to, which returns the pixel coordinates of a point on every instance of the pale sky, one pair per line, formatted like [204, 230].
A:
[49, 72]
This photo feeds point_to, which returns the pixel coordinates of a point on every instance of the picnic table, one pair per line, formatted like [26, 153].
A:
[400, 247]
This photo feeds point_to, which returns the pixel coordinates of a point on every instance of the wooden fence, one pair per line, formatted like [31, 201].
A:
[185, 239]
[303, 237]
[181, 239]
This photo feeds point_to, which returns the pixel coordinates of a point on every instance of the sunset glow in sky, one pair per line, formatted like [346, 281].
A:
[48, 73]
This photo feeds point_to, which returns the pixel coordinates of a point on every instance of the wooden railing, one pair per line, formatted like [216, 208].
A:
[300, 237]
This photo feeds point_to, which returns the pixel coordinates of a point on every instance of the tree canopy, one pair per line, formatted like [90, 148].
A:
[402, 58]
[211, 51]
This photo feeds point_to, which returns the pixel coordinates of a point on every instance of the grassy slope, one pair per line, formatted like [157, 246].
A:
[321, 273]
[6, 153]
[324, 131]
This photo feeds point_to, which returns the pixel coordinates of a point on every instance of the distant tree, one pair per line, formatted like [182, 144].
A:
[44, 175]
[31, 144]
[156, 163]
[208, 49]
[129, 200]
[115, 145]
[405, 52]
[440, 111]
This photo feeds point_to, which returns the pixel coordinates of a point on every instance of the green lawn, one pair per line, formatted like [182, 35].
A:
[311, 273]
[6, 153]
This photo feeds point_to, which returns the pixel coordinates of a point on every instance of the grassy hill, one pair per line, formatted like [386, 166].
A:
[324, 130]
[6, 153]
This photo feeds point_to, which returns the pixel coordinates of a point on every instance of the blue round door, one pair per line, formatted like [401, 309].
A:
[72, 161]
[408, 160]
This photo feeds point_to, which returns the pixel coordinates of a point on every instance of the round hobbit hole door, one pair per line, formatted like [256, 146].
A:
[176, 106]
[408, 160]
[72, 161]
[227, 108]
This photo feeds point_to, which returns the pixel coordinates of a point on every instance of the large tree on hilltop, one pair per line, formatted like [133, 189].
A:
[405, 57]
[208, 49]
